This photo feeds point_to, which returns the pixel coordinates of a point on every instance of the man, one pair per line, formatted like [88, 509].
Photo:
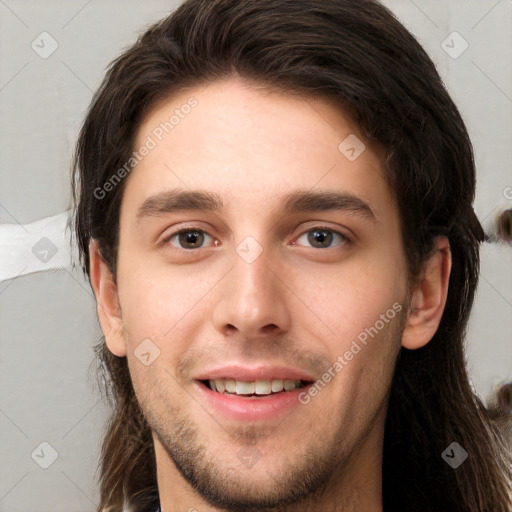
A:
[274, 207]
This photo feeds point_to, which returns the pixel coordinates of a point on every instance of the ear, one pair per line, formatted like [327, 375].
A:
[105, 291]
[428, 297]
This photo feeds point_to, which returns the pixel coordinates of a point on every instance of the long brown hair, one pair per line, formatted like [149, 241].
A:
[357, 53]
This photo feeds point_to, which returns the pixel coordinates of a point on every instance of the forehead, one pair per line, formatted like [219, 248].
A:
[251, 146]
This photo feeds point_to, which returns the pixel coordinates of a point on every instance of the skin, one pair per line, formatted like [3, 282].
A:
[296, 304]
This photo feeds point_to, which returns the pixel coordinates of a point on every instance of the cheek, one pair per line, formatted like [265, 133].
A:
[347, 300]
[158, 302]
[365, 346]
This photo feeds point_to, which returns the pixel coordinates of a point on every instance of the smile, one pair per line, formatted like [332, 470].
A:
[253, 388]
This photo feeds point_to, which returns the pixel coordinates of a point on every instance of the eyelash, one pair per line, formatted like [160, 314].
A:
[344, 239]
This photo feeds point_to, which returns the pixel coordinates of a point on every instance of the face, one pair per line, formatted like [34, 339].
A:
[261, 284]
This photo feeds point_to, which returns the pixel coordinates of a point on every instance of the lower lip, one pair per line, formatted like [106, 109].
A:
[251, 409]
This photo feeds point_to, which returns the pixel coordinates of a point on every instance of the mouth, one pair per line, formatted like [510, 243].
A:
[254, 389]
[263, 393]
[252, 401]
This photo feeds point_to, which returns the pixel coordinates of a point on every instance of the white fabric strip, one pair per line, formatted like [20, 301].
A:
[35, 247]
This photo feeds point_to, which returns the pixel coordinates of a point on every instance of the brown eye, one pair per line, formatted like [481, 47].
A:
[323, 238]
[188, 238]
[320, 238]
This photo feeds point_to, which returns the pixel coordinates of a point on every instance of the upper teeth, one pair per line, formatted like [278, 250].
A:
[258, 387]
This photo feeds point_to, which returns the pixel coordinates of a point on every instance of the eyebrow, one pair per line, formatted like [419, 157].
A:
[296, 201]
[177, 200]
[321, 201]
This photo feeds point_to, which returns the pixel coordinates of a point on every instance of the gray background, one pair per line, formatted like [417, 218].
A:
[48, 320]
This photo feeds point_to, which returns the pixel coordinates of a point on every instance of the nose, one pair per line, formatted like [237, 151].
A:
[252, 300]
